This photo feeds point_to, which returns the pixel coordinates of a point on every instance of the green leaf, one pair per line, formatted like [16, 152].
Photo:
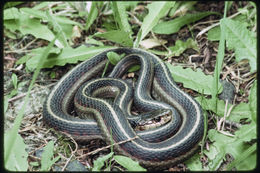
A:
[128, 163]
[219, 62]
[92, 15]
[34, 27]
[156, 11]
[181, 46]
[34, 164]
[224, 144]
[42, 15]
[15, 80]
[18, 157]
[93, 42]
[118, 36]
[68, 55]
[249, 155]
[58, 29]
[11, 4]
[238, 112]
[36, 52]
[47, 157]
[252, 101]
[241, 40]
[247, 132]
[202, 84]
[194, 163]
[121, 16]
[100, 162]
[18, 120]
[113, 57]
[173, 26]
[214, 34]
[34, 13]
[11, 13]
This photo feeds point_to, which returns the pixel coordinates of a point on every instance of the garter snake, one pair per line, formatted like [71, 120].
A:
[110, 117]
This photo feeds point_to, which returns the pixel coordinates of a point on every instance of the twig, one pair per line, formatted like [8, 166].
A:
[72, 152]
[22, 49]
[216, 24]
[137, 21]
[100, 149]
[226, 133]
[227, 113]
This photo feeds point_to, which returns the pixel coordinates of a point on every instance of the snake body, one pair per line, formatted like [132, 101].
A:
[185, 129]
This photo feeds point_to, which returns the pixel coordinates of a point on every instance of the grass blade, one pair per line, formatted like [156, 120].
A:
[242, 157]
[121, 16]
[63, 38]
[156, 11]
[14, 131]
[219, 61]
[92, 15]
[173, 26]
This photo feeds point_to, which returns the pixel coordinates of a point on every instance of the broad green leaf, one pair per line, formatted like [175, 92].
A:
[238, 112]
[118, 36]
[252, 101]
[68, 55]
[47, 159]
[36, 52]
[58, 29]
[100, 162]
[181, 46]
[248, 157]
[93, 42]
[128, 163]
[11, 25]
[28, 25]
[214, 34]
[156, 11]
[92, 15]
[42, 15]
[121, 16]
[222, 145]
[34, 27]
[9, 34]
[113, 57]
[241, 40]
[11, 13]
[173, 26]
[11, 4]
[197, 81]
[18, 157]
[194, 163]
[34, 13]
[247, 132]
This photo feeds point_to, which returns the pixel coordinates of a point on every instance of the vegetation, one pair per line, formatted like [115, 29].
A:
[202, 43]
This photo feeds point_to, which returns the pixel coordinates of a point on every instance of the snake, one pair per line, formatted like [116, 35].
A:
[76, 89]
